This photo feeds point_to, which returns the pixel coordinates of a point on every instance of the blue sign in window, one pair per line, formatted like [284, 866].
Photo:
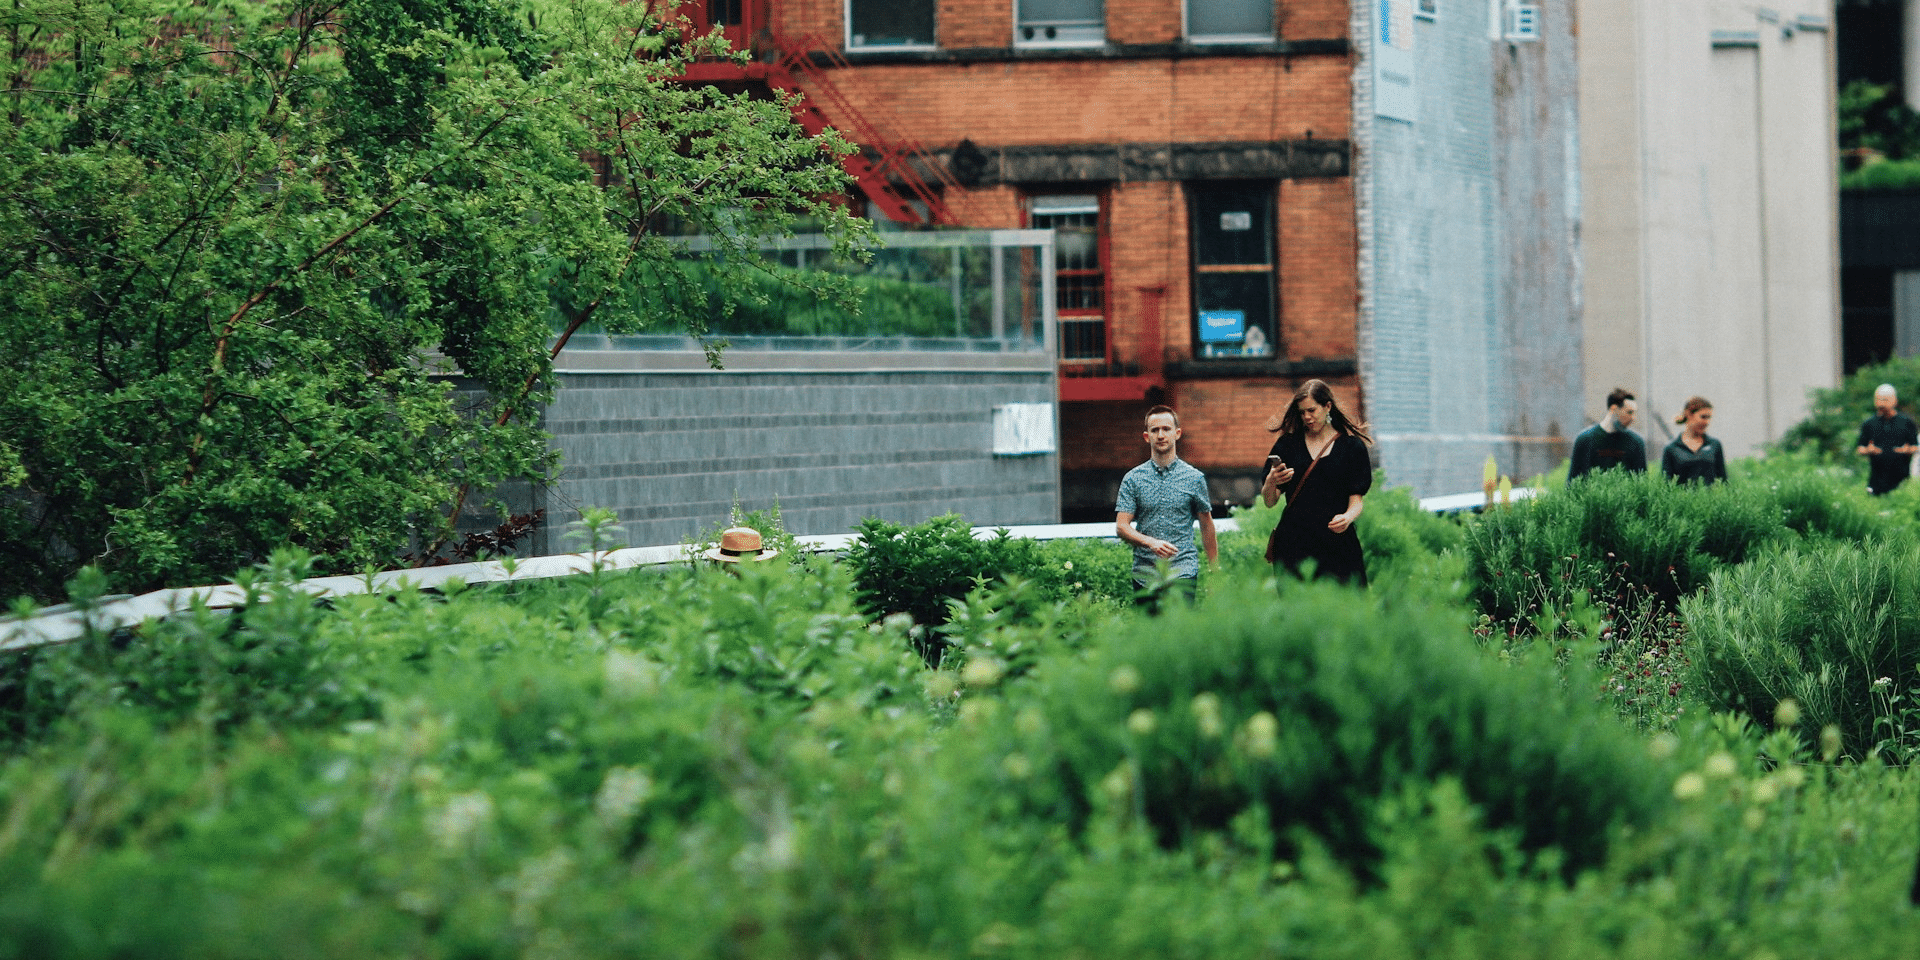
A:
[1223, 326]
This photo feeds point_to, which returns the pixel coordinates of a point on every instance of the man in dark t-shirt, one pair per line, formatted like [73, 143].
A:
[1888, 440]
[1609, 443]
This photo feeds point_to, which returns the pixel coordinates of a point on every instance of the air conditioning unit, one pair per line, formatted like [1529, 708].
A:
[1523, 22]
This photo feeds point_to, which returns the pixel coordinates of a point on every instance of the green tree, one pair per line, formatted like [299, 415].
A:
[1832, 426]
[245, 247]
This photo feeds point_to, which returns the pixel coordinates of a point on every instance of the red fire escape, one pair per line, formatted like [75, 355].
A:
[892, 170]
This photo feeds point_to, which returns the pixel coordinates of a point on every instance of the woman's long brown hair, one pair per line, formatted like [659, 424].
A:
[1289, 422]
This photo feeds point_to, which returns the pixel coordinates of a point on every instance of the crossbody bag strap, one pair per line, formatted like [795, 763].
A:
[1314, 462]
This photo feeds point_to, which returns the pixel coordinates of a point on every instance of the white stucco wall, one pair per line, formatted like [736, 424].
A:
[1711, 240]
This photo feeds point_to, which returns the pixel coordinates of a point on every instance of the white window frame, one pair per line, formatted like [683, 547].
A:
[846, 17]
[1019, 27]
[1186, 29]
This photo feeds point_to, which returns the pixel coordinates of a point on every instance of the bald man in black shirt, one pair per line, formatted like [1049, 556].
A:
[1888, 440]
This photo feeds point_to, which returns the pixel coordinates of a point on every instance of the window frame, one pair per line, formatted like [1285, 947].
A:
[1020, 27]
[1102, 213]
[846, 10]
[1271, 329]
[1186, 28]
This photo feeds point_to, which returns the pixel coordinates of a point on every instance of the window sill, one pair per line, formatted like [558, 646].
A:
[1219, 38]
[882, 49]
[1233, 368]
[874, 55]
[1059, 44]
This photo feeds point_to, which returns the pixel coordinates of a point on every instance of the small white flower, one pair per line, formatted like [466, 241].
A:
[1068, 565]
[1261, 734]
[1721, 765]
[463, 816]
[1882, 683]
[624, 791]
[1017, 766]
[630, 674]
[983, 672]
[1689, 786]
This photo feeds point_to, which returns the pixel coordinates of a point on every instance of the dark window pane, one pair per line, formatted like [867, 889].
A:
[1233, 224]
[892, 22]
[1866, 316]
[1214, 17]
[1083, 339]
[1234, 282]
[1061, 11]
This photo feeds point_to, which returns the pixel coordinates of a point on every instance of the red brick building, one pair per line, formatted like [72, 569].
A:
[1192, 154]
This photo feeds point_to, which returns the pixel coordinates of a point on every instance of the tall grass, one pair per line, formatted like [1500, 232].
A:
[1820, 627]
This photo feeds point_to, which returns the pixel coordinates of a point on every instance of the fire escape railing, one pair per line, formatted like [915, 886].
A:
[894, 176]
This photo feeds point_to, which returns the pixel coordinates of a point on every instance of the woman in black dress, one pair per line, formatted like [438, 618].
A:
[1320, 465]
[1694, 457]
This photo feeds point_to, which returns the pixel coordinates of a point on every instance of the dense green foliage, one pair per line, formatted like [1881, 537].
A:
[696, 764]
[783, 301]
[1832, 427]
[1835, 629]
[919, 570]
[1305, 710]
[238, 241]
[1610, 527]
[1881, 135]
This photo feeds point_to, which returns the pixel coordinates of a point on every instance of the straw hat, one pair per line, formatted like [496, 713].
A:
[740, 543]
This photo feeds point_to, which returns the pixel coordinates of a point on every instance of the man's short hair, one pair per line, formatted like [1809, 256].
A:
[1886, 388]
[1619, 396]
[1158, 410]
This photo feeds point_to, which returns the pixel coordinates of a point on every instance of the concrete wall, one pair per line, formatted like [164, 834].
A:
[670, 446]
[1469, 253]
[1708, 174]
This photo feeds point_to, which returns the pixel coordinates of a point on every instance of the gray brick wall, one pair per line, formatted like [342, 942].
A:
[1469, 261]
[671, 451]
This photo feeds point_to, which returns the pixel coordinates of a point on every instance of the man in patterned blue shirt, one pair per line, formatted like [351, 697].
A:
[1159, 501]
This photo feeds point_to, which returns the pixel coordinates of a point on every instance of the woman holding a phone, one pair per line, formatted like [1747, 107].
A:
[1320, 464]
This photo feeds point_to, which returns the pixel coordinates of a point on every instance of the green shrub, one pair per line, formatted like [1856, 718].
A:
[268, 661]
[915, 570]
[1832, 428]
[1309, 711]
[714, 766]
[1648, 532]
[1820, 626]
[782, 301]
[920, 570]
[1101, 569]
[1821, 499]
[788, 634]
[1399, 538]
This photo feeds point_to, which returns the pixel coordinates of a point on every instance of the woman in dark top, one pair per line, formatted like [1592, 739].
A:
[1694, 457]
[1320, 465]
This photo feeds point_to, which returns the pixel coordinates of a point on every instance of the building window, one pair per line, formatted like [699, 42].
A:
[1234, 283]
[1064, 23]
[889, 23]
[1079, 268]
[1229, 21]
